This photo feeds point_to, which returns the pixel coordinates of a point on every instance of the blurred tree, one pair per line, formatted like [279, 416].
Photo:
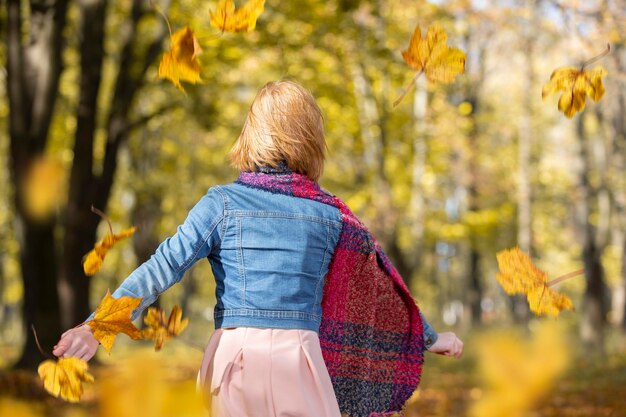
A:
[34, 67]
[35, 44]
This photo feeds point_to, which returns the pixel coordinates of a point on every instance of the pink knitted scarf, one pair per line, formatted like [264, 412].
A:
[371, 332]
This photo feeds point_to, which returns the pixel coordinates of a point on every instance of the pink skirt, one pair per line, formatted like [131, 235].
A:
[252, 372]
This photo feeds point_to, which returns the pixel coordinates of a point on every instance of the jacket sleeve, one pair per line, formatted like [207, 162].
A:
[193, 240]
[430, 335]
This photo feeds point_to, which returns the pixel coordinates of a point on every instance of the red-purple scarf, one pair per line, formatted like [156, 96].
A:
[371, 332]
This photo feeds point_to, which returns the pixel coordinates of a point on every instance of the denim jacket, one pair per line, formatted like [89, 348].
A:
[269, 254]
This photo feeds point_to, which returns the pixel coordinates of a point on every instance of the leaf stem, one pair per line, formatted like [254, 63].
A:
[160, 11]
[565, 277]
[46, 355]
[407, 89]
[104, 217]
[597, 57]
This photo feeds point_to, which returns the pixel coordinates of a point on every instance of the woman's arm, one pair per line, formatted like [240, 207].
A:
[446, 343]
[193, 240]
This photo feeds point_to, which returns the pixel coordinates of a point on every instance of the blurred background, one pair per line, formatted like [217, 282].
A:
[445, 180]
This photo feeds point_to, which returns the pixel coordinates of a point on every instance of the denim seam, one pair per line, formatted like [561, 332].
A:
[225, 201]
[275, 314]
[240, 267]
[319, 274]
[279, 214]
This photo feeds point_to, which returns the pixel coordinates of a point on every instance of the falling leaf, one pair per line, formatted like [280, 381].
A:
[518, 275]
[228, 19]
[431, 56]
[181, 62]
[517, 370]
[42, 187]
[160, 328]
[64, 378]
[576, 84]
[92, 262]
[113, 316]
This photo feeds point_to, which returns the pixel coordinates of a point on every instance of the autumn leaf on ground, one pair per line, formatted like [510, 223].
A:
[64, 378]
[228, 19]
[42, 188]
[113, 316]
[518, 275]
[431, 56]
[181, 62]
[92, 261]
[160, 328]
[576, 84]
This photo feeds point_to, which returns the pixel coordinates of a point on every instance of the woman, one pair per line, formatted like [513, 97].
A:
[311, 317]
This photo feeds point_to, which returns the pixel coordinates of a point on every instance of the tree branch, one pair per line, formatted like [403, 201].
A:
[146, 118]
[126, 87]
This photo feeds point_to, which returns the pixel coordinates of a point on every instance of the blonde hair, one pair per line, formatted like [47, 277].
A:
[284, 124]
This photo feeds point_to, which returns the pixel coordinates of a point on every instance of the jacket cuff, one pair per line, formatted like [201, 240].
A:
[430, 335]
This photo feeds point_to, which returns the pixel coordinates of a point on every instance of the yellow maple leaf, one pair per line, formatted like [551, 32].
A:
[516, 370]
[229, 19]
[113, 316]
[64, 378]
[576, 84]
[433, 57]
[181, 62]
[518, 275]
[160, 328]
[92, 261]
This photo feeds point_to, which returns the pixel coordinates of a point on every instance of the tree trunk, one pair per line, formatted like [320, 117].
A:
[594, 309]
[87, 188]
[33, 70]
[81, 223]
[475, 289]
[521, 312]
[417, 204]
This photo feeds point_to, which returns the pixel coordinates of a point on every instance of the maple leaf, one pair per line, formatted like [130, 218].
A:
[576, 84]
[518, 275]
[92, 261]
[432, 56]
[160, 328]
[181, 62]
[64, 378]
[228, 19]
[113, 316]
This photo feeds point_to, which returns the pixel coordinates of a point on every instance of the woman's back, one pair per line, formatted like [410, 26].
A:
[273, 253]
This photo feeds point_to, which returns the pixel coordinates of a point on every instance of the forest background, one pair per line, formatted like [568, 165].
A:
[445, 180]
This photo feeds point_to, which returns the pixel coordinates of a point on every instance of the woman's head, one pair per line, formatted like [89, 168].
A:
[284, 123]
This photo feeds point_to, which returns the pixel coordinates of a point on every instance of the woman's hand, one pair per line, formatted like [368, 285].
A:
[78, 342]
[447, 344]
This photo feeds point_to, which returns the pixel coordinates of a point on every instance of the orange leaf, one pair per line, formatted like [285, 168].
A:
[113, 316]
[181, 63]
[92, 262]
[518, 275]
[161, 328]
[228, 19]
[431, 55]
[64, 378]
[576, 84]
